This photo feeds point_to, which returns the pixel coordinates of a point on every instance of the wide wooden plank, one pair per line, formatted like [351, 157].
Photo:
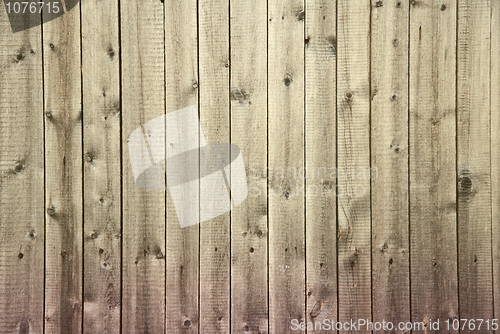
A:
[353, 145]
[63, 174]
[143, 99]
[432, 162]
[473, 162]
[286, 164]
[249, 303]
[389, 156]
[181, 78]
[215, 249]
[495, 150]
[321, 160]
[21, 180]
[102, 168]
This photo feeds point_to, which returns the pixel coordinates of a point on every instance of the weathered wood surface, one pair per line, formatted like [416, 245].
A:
[249, 223]
[369, 131]
[143, 231]
[181, 89]
[495, 150]
[63, 173]
[433, 177]
[102, 167]
[321, 158]
[286, 160]
[473, 162]
[389, 156]
[353, 152]
[215, 237]
[21, 180]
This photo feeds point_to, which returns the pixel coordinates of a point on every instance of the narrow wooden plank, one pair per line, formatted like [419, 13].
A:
[143, 99]
[21, 180]
[249, 302]
[495, 151]
[321, 160]
[389, 156]
[102, 167]
[181, 73]
[433, 204]
[353, 145]
[63, 174]
[215, 284]
[473, 162]
[286, 164]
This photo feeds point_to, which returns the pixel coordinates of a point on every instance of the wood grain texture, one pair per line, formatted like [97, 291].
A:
[21, 180]
[102, 166]
[389, 160]
[369, 132]
[181, 79]
[286, 164]
[321, 159]
[249, 231]
[433, 162]
[473, 162]
[495, 151]
[143, 79]
[215, 234]
[63, 173]
[353, 151]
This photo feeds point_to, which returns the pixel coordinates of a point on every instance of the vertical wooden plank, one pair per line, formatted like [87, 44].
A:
[433, 244]
[181, 71]
[63, 174]
[102, 166]
[321, 159]
[473, 162]
[215, 285]
[353, 105]
[495, 151]
[286, 164]
[389, 156]
[21, 180]
[249, 302]
[143, 99]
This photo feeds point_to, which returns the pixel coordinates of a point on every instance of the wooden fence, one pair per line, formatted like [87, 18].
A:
[370, 135]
